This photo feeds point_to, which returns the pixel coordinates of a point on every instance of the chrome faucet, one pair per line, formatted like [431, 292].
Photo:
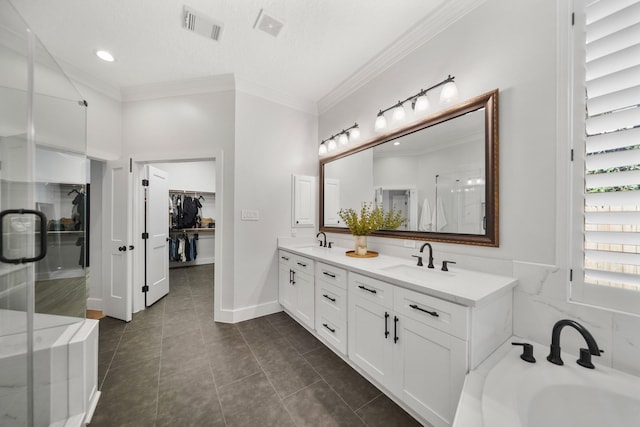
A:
[585, 354]
[430, 265]
[323, 244]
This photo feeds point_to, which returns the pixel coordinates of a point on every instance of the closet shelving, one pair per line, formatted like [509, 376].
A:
[207, 199]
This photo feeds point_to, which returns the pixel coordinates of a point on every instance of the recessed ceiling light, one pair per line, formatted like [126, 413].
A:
[396, 143]
[268, 24]
[105, 56]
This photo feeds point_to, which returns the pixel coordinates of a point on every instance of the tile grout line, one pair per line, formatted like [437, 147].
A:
[267, 375]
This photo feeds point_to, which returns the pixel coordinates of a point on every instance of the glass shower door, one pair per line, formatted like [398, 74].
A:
[40, 111]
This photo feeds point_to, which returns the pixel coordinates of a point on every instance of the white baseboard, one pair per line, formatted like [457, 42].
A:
[198, 261]
[247, 313]
[95, 304]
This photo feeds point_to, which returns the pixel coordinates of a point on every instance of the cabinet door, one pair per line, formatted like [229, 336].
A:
[305, 298]
[430, 366]
[286, 290]
[371, 338]
[304, 201]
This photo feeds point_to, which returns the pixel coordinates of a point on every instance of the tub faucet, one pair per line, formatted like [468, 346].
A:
[585, 354]
[430, 265]
[322, 243]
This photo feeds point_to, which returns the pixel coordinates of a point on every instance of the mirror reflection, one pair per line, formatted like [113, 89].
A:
[439, 172]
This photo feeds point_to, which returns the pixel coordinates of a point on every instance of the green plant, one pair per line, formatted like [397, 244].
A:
[371, 219]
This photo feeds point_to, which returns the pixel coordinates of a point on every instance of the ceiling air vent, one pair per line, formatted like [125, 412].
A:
[203, 25]
[268, 24]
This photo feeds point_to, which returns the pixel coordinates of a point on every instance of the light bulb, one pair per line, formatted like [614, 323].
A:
[449, 93]
[422, 104]
[381, 123]
[399, 113]
[331, 145]
[105, 56]
[322, 150]
[354, 133]
[343, 139]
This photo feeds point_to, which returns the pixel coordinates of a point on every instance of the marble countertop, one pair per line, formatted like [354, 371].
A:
[460, 286]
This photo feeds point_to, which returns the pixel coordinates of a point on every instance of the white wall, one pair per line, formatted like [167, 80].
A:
[191, 176]
[187, 127]
[272, 143]
[512, 46]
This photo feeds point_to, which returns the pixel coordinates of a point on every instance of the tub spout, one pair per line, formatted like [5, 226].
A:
[585, 353]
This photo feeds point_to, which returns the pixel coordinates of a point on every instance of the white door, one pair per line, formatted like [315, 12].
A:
[158, 228]
[331, 201]
[117, 291]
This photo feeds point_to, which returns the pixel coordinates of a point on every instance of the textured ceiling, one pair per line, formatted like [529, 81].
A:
[323, 42]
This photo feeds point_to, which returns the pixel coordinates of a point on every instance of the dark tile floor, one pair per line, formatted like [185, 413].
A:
[172, 365]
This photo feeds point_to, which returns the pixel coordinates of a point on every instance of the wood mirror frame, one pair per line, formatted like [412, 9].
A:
[488, 101]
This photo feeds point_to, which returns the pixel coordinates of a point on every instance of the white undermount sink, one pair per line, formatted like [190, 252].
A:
[413, 272]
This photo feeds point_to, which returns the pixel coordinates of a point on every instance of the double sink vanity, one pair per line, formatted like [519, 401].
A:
[414, 332]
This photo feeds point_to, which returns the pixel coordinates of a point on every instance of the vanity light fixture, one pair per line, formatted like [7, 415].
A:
[341, 138]
[419, 103]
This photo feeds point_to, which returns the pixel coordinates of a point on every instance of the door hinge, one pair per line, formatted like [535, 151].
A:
[145, 182]
[573, 18]
[572, 154]
[130, 165]
[571, 275]
[145, 236]
[145, 288]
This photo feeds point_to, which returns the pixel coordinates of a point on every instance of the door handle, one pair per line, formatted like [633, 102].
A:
[43, 236]
[131, 247]
[122, 248]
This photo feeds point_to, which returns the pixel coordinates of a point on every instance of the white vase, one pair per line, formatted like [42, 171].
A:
[360, 247]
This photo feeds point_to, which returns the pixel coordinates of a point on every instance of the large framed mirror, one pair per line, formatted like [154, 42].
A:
[441, 171]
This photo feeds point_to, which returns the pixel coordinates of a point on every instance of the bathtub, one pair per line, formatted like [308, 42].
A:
[505, 391]
[65, 370]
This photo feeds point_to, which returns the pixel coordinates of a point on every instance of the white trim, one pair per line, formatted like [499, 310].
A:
[251, 312]
[444, 16]
[288, 100]
[85, 79]
[210, 84]
[94, 304]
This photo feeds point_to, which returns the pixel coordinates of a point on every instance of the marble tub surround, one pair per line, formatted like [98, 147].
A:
[459, 285]
[540, 299]
[495, 392]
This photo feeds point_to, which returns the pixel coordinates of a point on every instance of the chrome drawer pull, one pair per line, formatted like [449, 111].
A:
[415, 307]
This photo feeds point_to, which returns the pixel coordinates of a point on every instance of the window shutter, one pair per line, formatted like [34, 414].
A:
[612, 150]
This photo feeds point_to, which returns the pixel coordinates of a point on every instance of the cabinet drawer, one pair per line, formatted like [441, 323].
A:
[331, 274]
[302, 264]
[371, 289]
[285, 258]
[331, 302]
[443, 315]
[334, 333]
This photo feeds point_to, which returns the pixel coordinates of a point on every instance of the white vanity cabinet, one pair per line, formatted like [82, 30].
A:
[331, 305]
[412, 344]
[296, 286]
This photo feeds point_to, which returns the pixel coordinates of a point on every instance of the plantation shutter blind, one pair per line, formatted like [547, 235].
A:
[612, 149]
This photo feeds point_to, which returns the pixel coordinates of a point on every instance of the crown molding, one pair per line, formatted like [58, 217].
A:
[209, 84]
[443, 17]
[76, 75]
[273, 95]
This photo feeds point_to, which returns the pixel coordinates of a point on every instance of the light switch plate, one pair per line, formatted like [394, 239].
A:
[250, 215]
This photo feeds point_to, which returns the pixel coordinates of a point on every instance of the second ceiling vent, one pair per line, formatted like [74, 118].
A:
[200, 24]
